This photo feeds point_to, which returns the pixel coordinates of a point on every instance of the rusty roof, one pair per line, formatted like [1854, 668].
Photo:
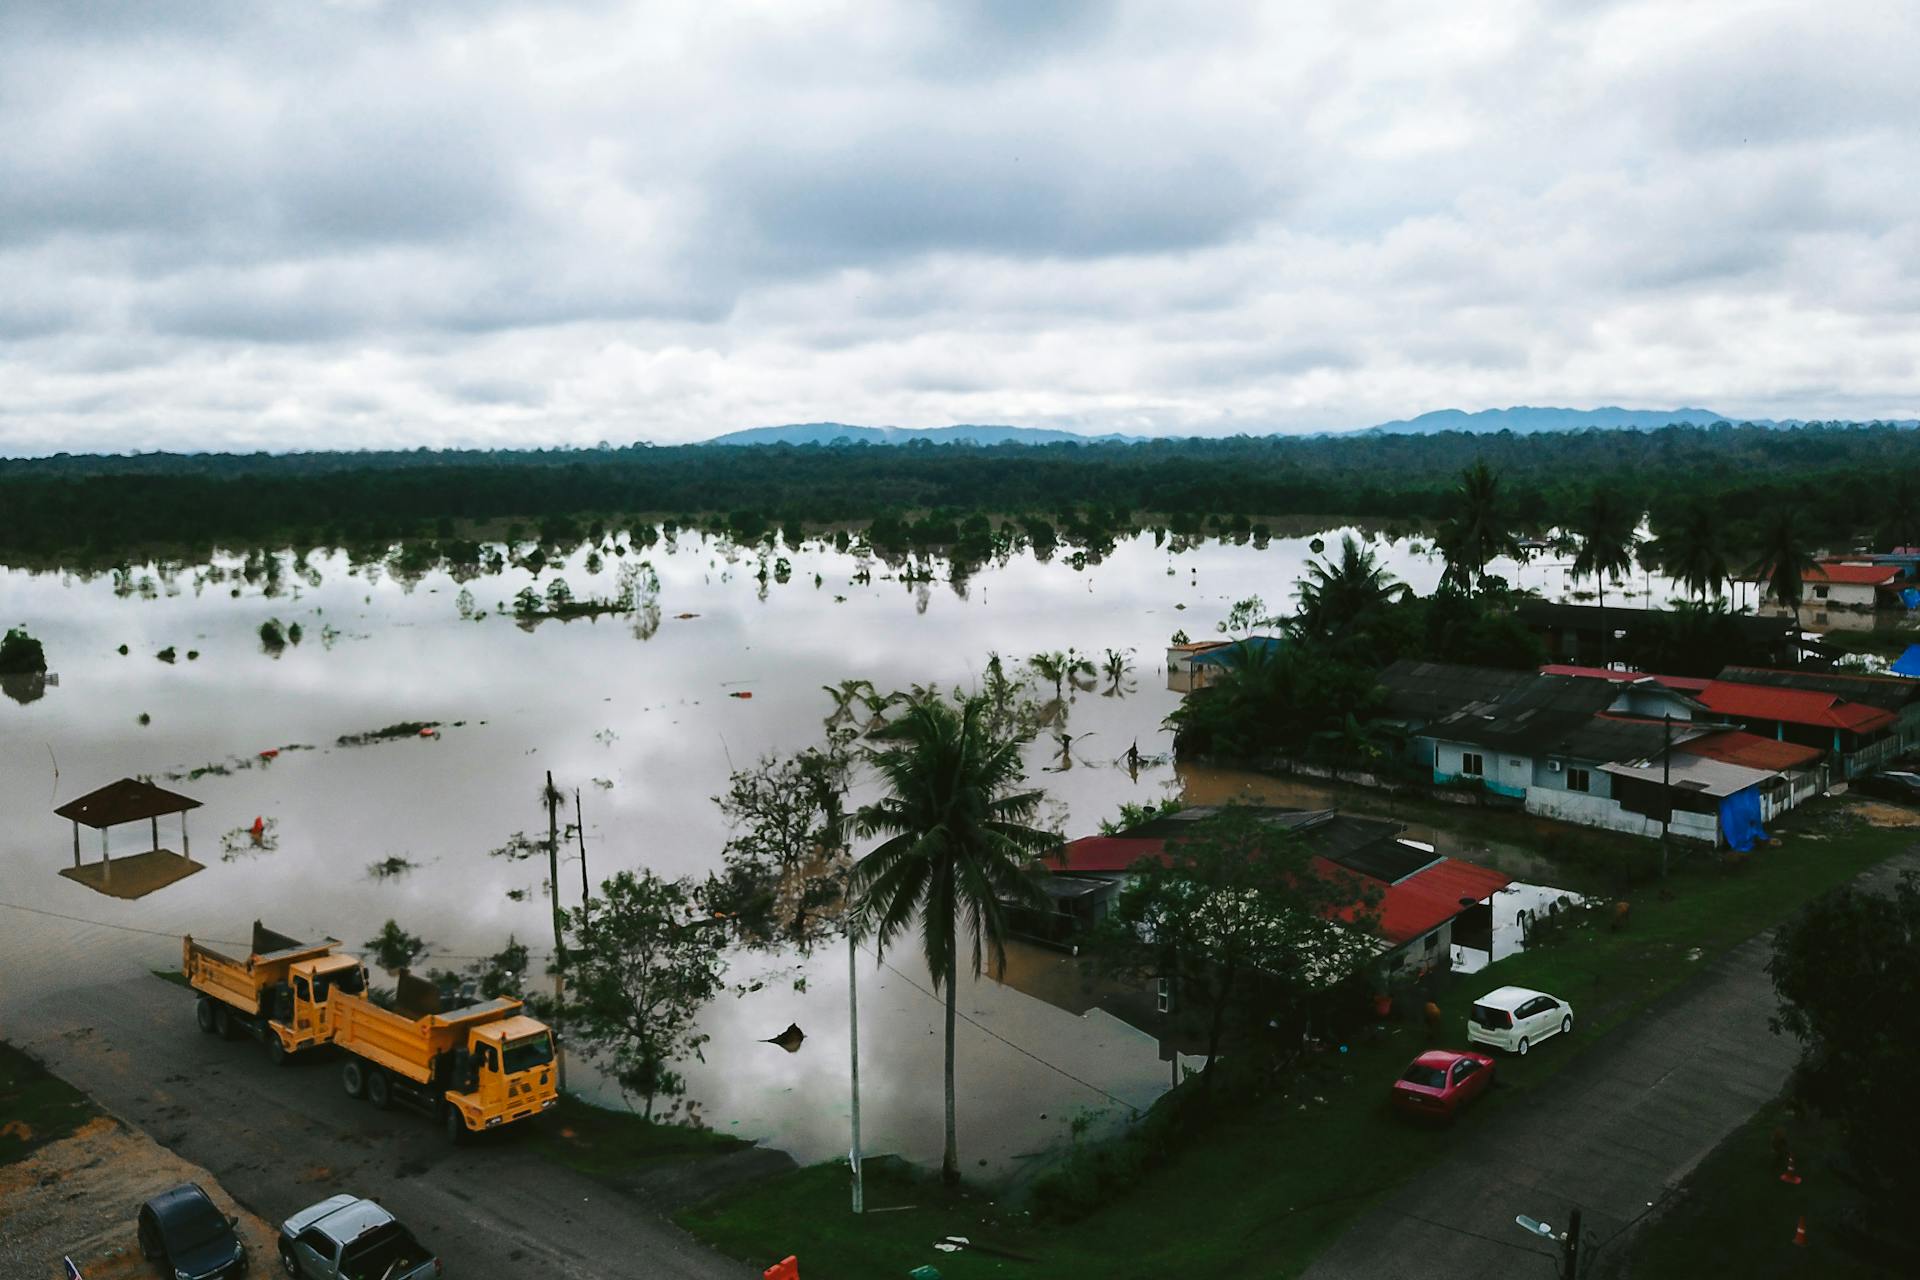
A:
[127, 800]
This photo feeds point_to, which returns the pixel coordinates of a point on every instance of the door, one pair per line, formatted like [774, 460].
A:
[313, 1254]
[492, 1086]
[1468, 1079]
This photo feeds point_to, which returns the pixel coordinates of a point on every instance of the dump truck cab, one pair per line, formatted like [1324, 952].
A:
[305, 1016]
[510, 1071]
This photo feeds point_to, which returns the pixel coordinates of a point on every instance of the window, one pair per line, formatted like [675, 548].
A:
[1579, 780]
[1819, 593]
[300, 989]
[1463, 1068]
[1471, 764]
[488, 1058]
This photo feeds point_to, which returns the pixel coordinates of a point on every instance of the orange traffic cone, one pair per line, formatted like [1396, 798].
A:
[1800, 1232]
[259, 827]
[1790, 1177]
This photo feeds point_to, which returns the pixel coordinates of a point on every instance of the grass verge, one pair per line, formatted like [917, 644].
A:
[1734, 1217]
[36, 1106]
[604, 1143]
[1265, 1191]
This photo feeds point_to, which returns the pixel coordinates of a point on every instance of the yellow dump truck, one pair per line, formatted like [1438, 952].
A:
[283, 993]
[476, 1068]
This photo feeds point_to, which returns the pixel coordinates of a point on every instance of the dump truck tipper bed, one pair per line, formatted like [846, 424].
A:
[282, 993]
[478, 1067]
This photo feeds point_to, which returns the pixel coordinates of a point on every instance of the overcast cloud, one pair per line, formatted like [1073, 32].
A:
[304, 225]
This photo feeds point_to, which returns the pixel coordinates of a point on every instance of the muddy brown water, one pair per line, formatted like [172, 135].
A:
[641, 720]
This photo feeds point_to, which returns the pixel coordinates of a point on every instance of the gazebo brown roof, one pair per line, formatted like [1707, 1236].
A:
[127, 800]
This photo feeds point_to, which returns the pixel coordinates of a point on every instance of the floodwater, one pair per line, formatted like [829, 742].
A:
[640, 719]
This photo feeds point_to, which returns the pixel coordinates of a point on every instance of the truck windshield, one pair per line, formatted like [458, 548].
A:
[382, 1253]
[346, 981]
[524, 1055]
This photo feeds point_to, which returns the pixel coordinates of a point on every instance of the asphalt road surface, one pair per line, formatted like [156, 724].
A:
[1612, 1134]
[280, 1139]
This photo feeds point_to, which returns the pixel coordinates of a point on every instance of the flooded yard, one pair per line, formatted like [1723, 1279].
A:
[317, 822]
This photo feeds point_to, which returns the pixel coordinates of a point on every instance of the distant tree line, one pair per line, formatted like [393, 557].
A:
[1846, 481]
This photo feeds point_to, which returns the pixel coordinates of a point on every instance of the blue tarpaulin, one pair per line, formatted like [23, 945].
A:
[1908, 663]
[1910, 597]
[1740, 820]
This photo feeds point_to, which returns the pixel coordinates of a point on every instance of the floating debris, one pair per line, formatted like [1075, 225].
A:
[741, 693]
[246, 842]
[404, 729]
[791, 1039]
[389, 867]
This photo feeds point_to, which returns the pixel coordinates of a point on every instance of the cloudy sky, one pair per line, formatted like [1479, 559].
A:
[295, 225]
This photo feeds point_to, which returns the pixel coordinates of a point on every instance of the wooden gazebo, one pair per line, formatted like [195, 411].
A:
[129, 800]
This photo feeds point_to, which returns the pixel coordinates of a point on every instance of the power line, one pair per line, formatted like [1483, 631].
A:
[1085, 1084]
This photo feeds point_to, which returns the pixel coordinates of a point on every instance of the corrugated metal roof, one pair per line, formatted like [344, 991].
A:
[1428, 900]
[1625, 738]
[127, 800]
[1431, 690]
[1691, 773]
[1890, 693]
[1861, 575]
[1793, 706]
[1755, 752]
[1528, 720]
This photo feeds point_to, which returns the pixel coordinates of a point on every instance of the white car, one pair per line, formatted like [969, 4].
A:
[1516, 1019]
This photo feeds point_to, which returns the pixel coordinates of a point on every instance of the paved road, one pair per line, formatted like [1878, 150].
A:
[282, 1138]
[1614, 1131]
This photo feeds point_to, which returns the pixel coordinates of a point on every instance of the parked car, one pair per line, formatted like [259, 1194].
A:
[347, 1238]
[1891, 784]
[1441, 1081]
[185, 1232]
[1516, 1019]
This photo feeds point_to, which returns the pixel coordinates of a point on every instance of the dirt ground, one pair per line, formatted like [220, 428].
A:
[1886, 815]
[77, 1198]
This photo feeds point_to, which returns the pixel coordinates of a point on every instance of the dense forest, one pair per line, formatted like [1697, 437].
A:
[1848, 482]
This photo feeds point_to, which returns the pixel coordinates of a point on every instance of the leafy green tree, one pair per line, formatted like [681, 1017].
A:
[1246, 617]
[394, 948]
[1270, 699]
[1479, 529]
[958, 844]
[636, 969]
[784, 874]
[1338, 600]
[1785, 558]
[1847, 974]
[1692, 549]
[1241, 924]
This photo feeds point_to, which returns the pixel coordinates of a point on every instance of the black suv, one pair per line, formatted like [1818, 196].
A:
[191, 1239]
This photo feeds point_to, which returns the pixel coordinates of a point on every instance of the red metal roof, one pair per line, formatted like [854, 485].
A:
[1679, 684]
[1866, 575]
[1753, 751]
[1106, 853]
[1428, 899]
[1792, 706]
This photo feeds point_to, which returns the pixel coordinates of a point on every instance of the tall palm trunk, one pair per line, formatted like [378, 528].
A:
[950, 1161]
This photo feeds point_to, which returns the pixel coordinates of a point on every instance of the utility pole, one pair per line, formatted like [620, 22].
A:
[552, 797]
[580, 830]
[1666, 788]
[853, 1048]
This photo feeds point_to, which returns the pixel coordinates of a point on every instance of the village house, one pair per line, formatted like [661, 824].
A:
[1897, 694]
[1195, 664]
[1857, 738]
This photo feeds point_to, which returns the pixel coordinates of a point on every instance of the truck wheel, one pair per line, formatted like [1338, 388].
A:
[379, 1092]
[287, 1264]
[222, 1022]
[276, 1051]
[455, 1124]
[203, 1014]
[353, 1078]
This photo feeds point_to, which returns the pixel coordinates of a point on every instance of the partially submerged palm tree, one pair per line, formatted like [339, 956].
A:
[1336, 596]
[1059, 669]
[1693, 550]
[1478, 530]
[958, 845]
[1784, 560]
[1607, 532]
[1116, 667]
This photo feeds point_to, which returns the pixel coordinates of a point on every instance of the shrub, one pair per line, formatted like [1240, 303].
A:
[21, 654]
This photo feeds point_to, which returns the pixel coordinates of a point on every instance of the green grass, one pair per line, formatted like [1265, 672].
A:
[1267, 1190]
[604, 1143]
[36, 1107]
[1734, 1217]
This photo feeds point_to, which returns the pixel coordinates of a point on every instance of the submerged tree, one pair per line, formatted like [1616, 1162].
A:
[958, 841]
[394, 948]
[1339, 599]
[1480, 528]
[1061, 669]
[635, 973]
[21, 654]
[1692, 549]
[784, 877]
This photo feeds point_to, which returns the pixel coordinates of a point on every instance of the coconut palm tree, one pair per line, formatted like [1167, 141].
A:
[958, 844]
[1060, 669]
[1784, 559]
[1693, 550]
[1336, 596]
[1606, 533]
[1477, 531]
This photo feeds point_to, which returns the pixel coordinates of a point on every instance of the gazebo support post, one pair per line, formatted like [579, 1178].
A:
[156, 833]
[76, 844]
[186, 850]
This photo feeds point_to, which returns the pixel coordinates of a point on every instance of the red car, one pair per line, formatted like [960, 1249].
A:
[1440, 1082]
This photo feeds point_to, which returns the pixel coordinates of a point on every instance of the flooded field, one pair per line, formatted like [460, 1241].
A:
[641, 713]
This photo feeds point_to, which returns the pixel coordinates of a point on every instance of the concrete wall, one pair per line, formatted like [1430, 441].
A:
[1590, 811]
[1411, 957]
[1507, 775]
[1846, 595]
